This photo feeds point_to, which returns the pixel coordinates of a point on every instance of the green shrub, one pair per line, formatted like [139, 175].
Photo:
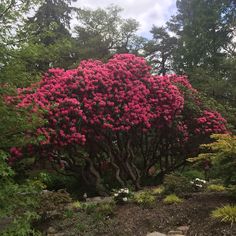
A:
[158, 190]
[198, 184]
[222, 155]
[99, 211]
[53, 204]
[81, 227]
[216, 188]
[232, 191]
[175, 183]
[89, 208]
[226, 214]
[68, 213]
[122, 195]
[193, 174]
[144, 198]
[172, 199]
[55, 181]
[76, 205]
[18, 202]
[106, 209]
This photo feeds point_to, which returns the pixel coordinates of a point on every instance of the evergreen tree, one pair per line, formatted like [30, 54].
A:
[160, 49]
[205, 29]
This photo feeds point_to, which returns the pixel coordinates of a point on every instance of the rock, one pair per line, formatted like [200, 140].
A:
[56, 234]
[183, 228]
[51, 230]
[99, 199]
[94, 199]
[156, 234]
[175, 233]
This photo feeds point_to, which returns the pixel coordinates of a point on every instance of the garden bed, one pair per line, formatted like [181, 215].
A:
[133, 220]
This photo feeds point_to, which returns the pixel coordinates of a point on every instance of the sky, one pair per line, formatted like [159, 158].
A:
[146, 12]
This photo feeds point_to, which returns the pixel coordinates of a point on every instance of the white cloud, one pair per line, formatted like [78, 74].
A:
[146, 12]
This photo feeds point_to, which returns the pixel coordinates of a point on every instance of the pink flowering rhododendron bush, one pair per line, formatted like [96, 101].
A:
[115, 118]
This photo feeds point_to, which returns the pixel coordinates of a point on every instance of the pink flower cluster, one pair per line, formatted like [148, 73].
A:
[182, 81]
[118, 96]
[210, 122]
[16, 153]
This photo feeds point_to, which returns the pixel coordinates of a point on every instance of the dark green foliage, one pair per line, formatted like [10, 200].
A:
[232, 191]
[205, 45]
[56, 181]
[98, 219]
[53, 204]
[175, 183]
[18, 202]
[106, 209]
[13, 125]
[159, 50]
[103, 32]
[193, 174]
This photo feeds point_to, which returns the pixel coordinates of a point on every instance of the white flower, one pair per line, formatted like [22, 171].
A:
[126, 190]
[125, 199]
[197, 179]
[191, 182]
[199, 185]
[116, 194]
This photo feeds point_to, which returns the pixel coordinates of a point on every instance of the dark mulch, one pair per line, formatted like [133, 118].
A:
[194, 212]
[133, 220]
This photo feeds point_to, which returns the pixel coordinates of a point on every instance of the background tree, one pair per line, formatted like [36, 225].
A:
[102, 32]
[41, 41]
[205, 32]
[160, 50]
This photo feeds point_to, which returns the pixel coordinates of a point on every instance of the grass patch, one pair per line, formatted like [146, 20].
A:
[226, 214]
[216, 188]
[144, 198]
[172, 199]
[157, 191]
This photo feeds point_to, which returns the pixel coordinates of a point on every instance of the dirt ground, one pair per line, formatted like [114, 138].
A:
[134, 220]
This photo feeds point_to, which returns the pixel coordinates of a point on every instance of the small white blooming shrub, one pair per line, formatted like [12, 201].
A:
[122, 195]
[198, 184]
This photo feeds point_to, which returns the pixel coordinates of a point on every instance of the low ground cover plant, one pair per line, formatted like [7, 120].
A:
[172, 199]
[216, 188]
[144, 198]
[122, 195]
[178, 184]
[199, 184]
[158, 190]
[226, 214]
